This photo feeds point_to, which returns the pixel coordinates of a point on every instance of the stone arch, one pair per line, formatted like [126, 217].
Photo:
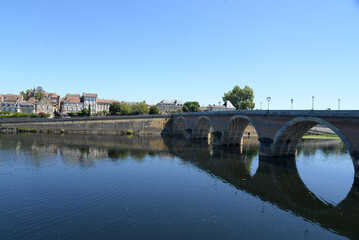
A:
[203, 128]
[232, 133]
[180, 126]
[288, 137]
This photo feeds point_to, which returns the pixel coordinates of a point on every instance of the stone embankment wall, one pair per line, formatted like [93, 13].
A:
[115, 125]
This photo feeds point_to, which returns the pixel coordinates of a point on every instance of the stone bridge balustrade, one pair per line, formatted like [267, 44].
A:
[279, 132]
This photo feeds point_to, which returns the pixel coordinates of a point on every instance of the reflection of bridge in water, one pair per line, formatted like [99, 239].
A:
[279, 184]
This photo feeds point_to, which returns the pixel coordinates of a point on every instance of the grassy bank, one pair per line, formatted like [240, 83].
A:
[323, 136]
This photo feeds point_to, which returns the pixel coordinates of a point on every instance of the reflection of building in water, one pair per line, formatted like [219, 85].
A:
[91, 152]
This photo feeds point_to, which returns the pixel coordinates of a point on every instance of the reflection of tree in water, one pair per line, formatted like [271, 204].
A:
[115, 154]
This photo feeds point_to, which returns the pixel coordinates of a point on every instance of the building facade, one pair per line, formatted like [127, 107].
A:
[90, 102]
[45, 106]
[71, 103]
[168, 106]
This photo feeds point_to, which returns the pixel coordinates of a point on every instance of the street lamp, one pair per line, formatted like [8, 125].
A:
[339, 104]
[312, 102]
[291, 101]
[268, 99]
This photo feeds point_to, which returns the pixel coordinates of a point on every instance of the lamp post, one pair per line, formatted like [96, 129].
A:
[268, 99]
[291, 102]
[339, 104]
[312, 102]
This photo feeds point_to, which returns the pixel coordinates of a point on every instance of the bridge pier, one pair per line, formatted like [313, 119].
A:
[188, 133]
[217, 138]
[356, 166]
[265, 147]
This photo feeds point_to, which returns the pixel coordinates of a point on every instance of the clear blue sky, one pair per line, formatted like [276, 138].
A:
[184, 49]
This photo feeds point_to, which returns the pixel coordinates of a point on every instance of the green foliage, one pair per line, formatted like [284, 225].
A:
[85, 112]
[18, 114]
[117, 108]
[129, 132]
[154, 110]
[62, 131]
[190, 107]
[26, 130]
[71, 114]
[5, 113]
[39, 95]
[242, 99]
[25, 94]
[140, 108]
[177, 111]
[44, 115]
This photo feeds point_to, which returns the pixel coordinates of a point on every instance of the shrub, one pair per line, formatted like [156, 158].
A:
[154, 110]
[5, 113]
[44, 115]
[139, 108]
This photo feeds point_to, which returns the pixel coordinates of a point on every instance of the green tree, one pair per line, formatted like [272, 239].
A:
[242, 99]
[154, 110]
[117, 108]
[190, 107]
[26, 94]
[39, 95]
[140, 108]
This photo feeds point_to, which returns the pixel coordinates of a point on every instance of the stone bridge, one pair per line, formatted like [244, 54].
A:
[279, 132]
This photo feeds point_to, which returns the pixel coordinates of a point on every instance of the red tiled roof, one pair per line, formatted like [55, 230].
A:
[106, 101]
[90, 95]
[54, 95]
[32, 100]
[72, 100]
[13, 97]
[72, 95]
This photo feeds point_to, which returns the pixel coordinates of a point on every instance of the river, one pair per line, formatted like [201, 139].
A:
[109, 187]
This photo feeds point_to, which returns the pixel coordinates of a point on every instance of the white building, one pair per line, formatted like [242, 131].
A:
[166, 106]
[90, 100]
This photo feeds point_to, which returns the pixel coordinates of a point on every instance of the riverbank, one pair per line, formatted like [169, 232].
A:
[322, 136]
[109, 125]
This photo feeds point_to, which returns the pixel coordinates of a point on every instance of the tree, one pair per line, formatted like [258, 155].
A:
[154, 110]
[117, 108]
[39, 95]
[139, 108]
[242, 99]
[190, 107]
[26, 94]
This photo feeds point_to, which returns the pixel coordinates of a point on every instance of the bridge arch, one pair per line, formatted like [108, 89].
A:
[232, 133]
[179, 127]
[202, 128]
[288, 137]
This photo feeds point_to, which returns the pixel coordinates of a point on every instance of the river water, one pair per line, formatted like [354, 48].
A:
[92, 187]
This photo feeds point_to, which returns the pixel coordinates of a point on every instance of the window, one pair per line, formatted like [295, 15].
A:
[39, 107]
[47, 107]
[50, 107]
